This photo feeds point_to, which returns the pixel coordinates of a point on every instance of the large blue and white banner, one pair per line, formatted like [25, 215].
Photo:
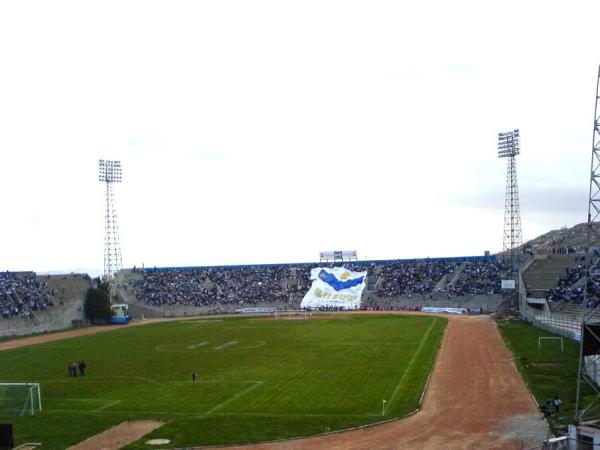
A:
[334, 288]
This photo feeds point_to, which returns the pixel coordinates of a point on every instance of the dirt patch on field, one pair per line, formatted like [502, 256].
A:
[476, 399]
[118, 436]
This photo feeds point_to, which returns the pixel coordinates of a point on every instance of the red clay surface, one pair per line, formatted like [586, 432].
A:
[476, 399]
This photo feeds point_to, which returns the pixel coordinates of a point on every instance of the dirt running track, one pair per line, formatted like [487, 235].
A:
[476, 399]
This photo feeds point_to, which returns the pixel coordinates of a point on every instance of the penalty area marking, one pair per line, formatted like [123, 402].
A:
[124, 379]
[108, 405]
[234, 397]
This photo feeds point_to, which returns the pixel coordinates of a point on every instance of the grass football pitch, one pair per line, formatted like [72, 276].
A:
[547, 370]
[259, 378]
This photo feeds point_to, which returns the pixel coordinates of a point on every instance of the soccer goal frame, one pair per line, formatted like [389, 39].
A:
[292, 314]
[551, 338]
[33, 395]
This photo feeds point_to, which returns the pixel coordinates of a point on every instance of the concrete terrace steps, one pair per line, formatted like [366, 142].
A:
[573, 311]
[67, 287]
[456, 275]
[542, 274]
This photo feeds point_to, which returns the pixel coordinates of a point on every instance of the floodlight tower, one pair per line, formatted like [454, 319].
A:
[586, 409]
[508, 147]
[109, 172]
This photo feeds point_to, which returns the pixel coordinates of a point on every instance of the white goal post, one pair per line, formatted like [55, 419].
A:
[548, 338]
[20, 398]
[292, 314]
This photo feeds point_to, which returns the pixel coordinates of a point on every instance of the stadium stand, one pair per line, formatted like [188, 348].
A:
[200, 287]
[31, 303]
[570, 287]
[478, 278]
[543, 274]
[391, 284]
[410, 279]
[22, 293]
[559, 277]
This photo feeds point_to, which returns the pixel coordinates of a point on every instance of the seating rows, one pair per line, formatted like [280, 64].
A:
[251, 285]
[570, 287]
[478, 278]
[22, 293]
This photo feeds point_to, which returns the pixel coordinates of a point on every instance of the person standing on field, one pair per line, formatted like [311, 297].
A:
[82, 367]
[557, 402]
[194, 377]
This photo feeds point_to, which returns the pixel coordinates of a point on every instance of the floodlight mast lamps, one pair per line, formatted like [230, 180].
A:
[509, 148]
[109, 172]
[587, 409]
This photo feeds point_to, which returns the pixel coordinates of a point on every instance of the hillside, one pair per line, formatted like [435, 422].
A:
[574, 237]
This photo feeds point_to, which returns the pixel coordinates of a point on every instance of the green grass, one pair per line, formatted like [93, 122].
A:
[258, 379]
[547, 372]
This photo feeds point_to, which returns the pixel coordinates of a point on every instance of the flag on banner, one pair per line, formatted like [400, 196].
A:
[335, 287]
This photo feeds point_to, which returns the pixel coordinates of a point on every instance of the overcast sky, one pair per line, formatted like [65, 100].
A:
[267, 131]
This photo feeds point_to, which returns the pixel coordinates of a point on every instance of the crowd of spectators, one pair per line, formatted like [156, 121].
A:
[570, 289]
[412, 279]
[479, 278]
[283, 284]
[207, 286]
[23, 293]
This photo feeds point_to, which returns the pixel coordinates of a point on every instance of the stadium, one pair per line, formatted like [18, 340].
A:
[382, 372]
[191, 190]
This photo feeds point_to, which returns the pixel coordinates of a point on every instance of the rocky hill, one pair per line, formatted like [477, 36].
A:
[573, 238]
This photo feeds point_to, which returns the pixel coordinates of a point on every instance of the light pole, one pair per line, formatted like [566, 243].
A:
[109, 172]
[586, 409]
[508, 147]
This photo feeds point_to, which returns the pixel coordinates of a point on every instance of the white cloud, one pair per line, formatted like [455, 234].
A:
[247, 130]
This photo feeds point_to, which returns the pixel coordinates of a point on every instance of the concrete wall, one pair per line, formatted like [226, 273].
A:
[488, 303]
[58, 318]
[136, 310]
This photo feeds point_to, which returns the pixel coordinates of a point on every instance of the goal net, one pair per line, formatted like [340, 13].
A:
[292, 315]
[543, 339]
[19, 399]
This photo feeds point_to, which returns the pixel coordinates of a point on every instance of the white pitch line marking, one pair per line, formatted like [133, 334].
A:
[225, 345]
[201, 415]
[108, 405]
[260, 344]
[201, 321]
[199, 344]
[235, 397]
[412, 361]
